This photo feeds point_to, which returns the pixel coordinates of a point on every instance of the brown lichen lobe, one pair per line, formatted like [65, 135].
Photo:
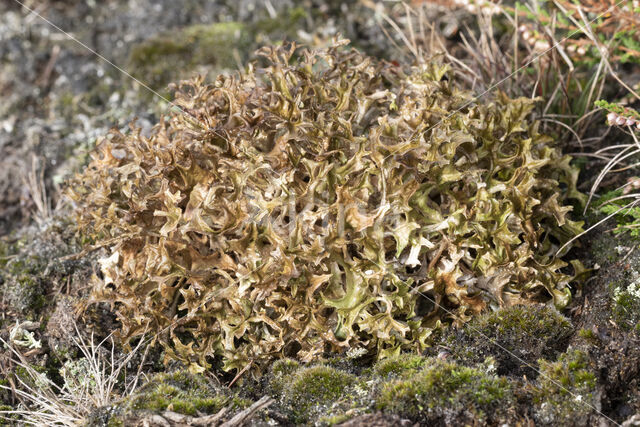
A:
[324, 203]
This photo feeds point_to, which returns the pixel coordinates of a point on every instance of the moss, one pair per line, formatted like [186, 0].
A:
[566, 390]
[167, 57]
[180, 392]
[333, 420]
[589, 336]
[444, 392]
[115, 422]
[314, 390]
[23, 288]
[6, 251]
[527, 331]
[401, 365]
[281, 372]
[25, 295]
[281, 27]
[625, 302]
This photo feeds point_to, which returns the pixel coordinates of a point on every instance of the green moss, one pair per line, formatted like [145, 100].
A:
[115, 422]
[23, 288]
[168, 57]
[281, 27]
[284, 367]
[625, 305]
[180, 392]
[281, 372]
[333, 420]
[315, 388]
[5, 252]
[628, 220]
[529, 331]
[566, 389]
[589, 336]
[444, 390]
[401, 365]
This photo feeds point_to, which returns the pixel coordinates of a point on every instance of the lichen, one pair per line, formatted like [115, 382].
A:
[446, 393]
[331, 201]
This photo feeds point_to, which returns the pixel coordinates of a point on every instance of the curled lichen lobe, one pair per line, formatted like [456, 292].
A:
[327, 201]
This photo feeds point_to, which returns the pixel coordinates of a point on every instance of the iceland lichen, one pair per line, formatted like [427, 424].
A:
[329, 201]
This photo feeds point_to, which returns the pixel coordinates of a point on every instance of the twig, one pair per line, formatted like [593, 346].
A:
[207, 420]
[243, 416]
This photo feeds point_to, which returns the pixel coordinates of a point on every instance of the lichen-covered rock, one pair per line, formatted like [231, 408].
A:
[34, 267]
[324, 204]
[445, 393]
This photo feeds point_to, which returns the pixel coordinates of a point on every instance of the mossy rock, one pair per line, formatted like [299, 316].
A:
[201, 49]
[528, 332]
[32, 268]
[168, 57]
[446, 393]
[567, 392]
[21, 285]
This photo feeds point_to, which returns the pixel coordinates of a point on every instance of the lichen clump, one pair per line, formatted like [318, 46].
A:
[329, 201]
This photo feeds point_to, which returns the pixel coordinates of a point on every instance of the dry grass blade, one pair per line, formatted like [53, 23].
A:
[622, 155]
[34, 183]
[92, 385]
